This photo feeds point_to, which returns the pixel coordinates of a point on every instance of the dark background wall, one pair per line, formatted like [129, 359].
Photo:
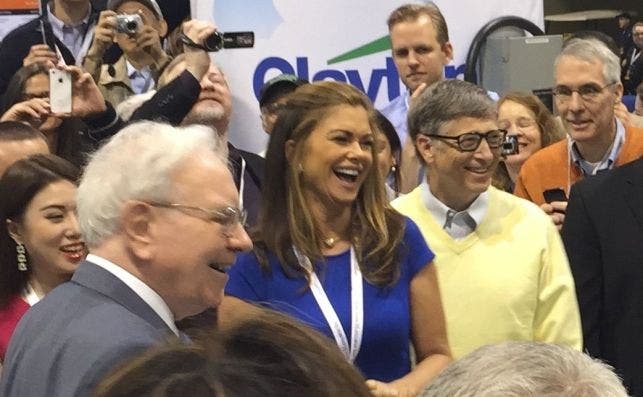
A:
[608, 26]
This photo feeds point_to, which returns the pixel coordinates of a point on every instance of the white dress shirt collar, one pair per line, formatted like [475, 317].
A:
[141, 289]
[460, 227]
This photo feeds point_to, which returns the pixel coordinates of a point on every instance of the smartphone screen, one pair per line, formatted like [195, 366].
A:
[552, 195]
[59, 91]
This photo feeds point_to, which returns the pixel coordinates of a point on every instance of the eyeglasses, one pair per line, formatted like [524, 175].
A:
[522, 122]
[470, 141]
[588, 92]
[227, 217]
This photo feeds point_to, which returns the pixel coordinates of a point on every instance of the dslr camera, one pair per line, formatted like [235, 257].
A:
[510, 145]
[128, 23]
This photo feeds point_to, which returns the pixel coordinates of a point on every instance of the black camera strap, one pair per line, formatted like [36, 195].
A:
[190, 43]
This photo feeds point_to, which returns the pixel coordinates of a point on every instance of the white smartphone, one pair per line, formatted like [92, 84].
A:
[59, 91]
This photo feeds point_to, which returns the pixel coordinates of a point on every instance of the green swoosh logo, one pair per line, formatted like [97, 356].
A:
[375, 46]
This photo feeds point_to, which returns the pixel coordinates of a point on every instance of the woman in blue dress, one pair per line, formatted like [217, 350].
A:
[332, 253]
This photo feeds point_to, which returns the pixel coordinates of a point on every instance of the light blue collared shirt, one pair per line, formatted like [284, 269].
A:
[458, 224]
[141, 81]
[71, 36]
[607, 162]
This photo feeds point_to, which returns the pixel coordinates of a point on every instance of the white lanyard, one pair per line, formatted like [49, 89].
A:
[357, 306]
[242, 182]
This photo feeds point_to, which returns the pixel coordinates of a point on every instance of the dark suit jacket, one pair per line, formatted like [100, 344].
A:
[632, 72]
[603, 236]
[65, 344]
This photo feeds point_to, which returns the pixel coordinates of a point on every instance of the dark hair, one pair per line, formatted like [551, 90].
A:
[69, 144]
[268, 355]
[15, 131]
[285, 220]
[18, 186]
[393, 139]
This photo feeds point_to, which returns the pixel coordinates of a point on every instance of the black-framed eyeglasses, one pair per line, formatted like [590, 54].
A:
[587, 92]
[470, 141]
[227, 216]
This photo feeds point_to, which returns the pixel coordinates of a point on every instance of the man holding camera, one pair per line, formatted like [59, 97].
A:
[137, 27]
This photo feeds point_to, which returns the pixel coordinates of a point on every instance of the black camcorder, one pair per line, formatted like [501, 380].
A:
[219, 40]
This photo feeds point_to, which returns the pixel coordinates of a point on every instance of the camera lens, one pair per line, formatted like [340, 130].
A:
[214, 42]
[131, 26]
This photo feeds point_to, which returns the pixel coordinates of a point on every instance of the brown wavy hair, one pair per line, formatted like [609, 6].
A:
[286, 220]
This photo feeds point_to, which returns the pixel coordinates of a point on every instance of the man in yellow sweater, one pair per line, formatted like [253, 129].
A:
[501, 265]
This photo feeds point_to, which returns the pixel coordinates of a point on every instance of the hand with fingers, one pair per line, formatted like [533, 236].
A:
[556, 210]
[381, 389]
[103, 35]
[197, 60]
[33, 112]
[41, 53]
[86, 97]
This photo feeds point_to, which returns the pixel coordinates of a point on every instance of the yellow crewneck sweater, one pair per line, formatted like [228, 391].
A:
[508, 280]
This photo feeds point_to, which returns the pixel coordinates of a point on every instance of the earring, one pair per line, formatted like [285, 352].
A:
[393, 168]
[21, 257]
[301, 168]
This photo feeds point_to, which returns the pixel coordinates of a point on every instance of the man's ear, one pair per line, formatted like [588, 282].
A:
[618, 91]
[447, 49]
[15, 231]
[137, 223]
[424, 148]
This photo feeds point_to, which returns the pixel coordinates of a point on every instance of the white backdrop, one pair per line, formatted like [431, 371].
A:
[301, 37]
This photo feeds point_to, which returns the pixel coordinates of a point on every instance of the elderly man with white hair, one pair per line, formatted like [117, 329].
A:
[160, 242]
[520, 369]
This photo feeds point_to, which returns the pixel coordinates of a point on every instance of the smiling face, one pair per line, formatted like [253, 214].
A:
[50, 234]
[586, 121]
[336, 157]
[520, 121]
[456, 178]
[417, 54]
[191, 250]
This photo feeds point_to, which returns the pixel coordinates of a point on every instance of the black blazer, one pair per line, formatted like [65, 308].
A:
[603, 236]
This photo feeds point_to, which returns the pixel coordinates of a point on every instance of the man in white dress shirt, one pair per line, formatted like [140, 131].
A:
[160, 241]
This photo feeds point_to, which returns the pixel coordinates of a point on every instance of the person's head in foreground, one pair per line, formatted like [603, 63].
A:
[269, 355]
[526, 369]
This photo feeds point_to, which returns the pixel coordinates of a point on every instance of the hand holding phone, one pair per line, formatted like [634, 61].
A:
[60, 91]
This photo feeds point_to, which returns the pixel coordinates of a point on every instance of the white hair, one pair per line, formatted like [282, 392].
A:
[136, 164]
[592, 50]
[526, 369]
